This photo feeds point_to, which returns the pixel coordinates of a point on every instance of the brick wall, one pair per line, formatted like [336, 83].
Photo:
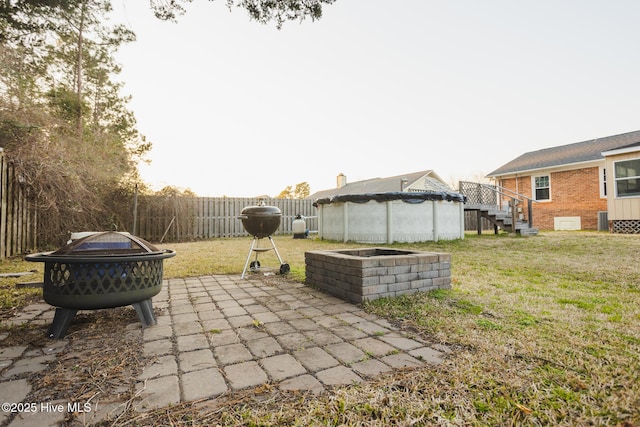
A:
[573, 193]
[361, 274]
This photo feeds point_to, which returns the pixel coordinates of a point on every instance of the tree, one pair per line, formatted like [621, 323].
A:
[81, 61]
[263, 11]
[14, 14]
[301, 191]
[63, 123]
[287, 193]
[172, 191]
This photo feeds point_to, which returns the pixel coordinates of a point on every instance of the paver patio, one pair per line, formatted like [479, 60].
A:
[218, 334]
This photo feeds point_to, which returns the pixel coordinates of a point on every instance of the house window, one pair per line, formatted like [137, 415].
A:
[603, 182]
[542, 188]
[627, 178]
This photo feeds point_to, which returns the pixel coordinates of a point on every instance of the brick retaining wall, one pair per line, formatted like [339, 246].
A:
[370, 273]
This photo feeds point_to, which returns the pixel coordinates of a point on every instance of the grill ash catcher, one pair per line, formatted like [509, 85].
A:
[261, 221]
[101, 270]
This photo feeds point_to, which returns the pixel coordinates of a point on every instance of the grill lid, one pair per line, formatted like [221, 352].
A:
[261, 221]
[107, 243]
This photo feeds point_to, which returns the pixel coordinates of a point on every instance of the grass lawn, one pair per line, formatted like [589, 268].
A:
[545, 330]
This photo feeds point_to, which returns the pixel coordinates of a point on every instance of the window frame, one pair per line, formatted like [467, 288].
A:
[534, 188]
[602, 173]
[616, 179]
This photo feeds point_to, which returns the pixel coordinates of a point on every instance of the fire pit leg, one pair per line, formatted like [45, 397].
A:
[144, 309]
[61, 321]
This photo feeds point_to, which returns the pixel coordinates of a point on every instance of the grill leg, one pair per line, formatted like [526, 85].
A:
[273, 245]
[61, 321]
[246, 264]
[144, 309]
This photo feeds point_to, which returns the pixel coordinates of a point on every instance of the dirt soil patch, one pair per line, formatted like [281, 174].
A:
[99, 363]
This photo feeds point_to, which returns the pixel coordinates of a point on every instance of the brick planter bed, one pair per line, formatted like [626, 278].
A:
[357, 275]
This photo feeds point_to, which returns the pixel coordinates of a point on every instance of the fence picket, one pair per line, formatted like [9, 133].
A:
[160, 218]
[17, 218]
[209, 217]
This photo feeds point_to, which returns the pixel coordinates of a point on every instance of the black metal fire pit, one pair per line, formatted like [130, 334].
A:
[261, 221]
[102, 270]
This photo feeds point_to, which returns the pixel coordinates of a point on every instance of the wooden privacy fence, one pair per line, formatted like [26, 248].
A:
[179, 218]
[17, 217]
[158, 218]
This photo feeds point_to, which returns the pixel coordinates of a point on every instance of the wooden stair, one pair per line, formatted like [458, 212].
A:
[502, 219]
[496, 204]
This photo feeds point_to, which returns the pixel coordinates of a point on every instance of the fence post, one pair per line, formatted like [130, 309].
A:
[3, 205]
[135, 209]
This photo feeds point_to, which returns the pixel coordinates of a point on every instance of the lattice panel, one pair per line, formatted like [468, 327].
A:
[626, 226]
[479, 194]
[102, 278]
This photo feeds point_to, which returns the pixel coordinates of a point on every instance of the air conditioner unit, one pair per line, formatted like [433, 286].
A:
[603, 221]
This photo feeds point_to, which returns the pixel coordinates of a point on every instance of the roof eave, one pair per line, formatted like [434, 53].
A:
[564, 166]
[624, 150]
[432, 173]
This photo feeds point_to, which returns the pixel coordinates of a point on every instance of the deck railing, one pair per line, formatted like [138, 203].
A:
[481, 195]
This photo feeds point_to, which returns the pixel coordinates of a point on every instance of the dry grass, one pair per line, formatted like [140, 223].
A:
[545, 331]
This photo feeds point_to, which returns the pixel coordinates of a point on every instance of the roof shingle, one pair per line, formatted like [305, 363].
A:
[432, 182]
[567, 154]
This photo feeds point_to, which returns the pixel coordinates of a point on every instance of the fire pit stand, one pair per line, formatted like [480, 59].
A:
[101, 270]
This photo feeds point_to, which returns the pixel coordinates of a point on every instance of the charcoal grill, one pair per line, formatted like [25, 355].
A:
[261, 221]
[101, 270]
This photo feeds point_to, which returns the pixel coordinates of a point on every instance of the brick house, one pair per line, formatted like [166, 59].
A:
[568, 183]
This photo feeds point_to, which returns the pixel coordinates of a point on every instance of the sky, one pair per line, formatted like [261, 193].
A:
[373, 89]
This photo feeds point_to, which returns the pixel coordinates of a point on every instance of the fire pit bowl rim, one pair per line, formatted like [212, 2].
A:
[102, 258]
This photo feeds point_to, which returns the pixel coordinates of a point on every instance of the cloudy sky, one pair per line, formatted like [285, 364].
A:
[374, 89]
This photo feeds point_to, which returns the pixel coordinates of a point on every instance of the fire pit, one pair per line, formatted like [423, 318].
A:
[356, 275]
[101, 270]
[261, 221]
